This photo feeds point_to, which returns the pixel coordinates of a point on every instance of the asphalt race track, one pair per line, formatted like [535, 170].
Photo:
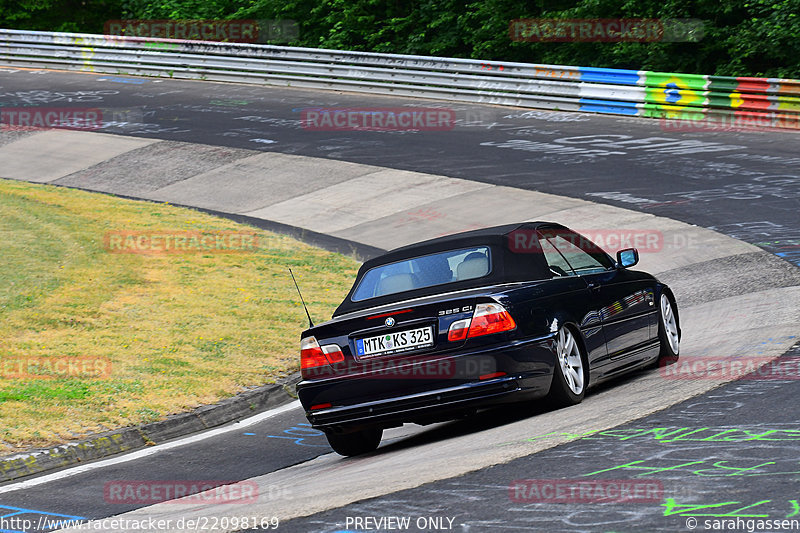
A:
[682, 451]
[729, 453]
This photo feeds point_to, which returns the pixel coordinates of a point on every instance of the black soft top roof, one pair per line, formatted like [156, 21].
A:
[508, 265]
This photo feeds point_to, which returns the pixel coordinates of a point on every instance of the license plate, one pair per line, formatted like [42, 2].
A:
[396, 342]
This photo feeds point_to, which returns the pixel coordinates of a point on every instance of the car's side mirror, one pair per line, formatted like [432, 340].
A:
[627, 257]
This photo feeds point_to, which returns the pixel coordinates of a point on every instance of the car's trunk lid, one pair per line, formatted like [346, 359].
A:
[407, 332]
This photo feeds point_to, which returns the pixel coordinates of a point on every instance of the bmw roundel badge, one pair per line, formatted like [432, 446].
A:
[389, 322]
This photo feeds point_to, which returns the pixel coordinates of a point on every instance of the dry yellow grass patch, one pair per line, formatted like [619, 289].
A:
[178, 330]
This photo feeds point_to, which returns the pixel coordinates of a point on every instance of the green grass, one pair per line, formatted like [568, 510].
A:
[178, 330]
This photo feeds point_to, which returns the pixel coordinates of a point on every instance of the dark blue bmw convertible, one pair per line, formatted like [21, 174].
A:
[439, 329]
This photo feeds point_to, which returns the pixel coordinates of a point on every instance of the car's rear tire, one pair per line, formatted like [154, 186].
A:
[570, 375]
[668, 334]
[355, 442]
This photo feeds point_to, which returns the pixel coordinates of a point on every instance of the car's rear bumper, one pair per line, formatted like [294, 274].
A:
[440, 404]
[524, 370]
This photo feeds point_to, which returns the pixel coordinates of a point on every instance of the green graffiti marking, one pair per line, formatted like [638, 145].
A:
[717, 469]
[671, 507]
[795, 509]
[669, 435]
[650, 469]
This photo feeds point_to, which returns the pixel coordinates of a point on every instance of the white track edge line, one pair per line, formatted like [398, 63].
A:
[149, 450]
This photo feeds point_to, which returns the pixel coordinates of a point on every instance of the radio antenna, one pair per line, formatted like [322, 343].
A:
[310, 323]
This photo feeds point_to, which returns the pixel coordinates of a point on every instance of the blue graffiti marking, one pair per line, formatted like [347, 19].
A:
[299, 433]
[123, 80]
[15, 511]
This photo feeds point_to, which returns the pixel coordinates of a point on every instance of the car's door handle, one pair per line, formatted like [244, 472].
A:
[594, 286]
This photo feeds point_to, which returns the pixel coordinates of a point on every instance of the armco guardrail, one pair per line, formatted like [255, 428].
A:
[767, 101]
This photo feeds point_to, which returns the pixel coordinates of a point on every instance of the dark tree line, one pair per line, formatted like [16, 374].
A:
[740, 37]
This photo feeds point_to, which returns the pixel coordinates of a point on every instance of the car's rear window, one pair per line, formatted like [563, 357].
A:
[424, 271]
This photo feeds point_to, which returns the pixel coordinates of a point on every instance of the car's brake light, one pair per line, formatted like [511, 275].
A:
[490, 318]
[311, 355]
[458, 330]
[487, 319]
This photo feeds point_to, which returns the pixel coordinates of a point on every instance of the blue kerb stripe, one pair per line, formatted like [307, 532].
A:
[610, 75]
[608, 106]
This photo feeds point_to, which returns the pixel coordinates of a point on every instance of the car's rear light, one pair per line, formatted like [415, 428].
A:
[392, 313]
[458, 330]
[320, 406]
[333, 353]
[311, 355]
[490, 318]
[492, 375]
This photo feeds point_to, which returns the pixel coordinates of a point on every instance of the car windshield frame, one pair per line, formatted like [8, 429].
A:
[408, 274]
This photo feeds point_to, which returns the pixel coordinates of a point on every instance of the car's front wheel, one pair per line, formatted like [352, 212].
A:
[668, 334]
[355, 442]
[569, 375]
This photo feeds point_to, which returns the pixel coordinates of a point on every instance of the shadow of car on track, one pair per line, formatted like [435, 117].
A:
[488, 419]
